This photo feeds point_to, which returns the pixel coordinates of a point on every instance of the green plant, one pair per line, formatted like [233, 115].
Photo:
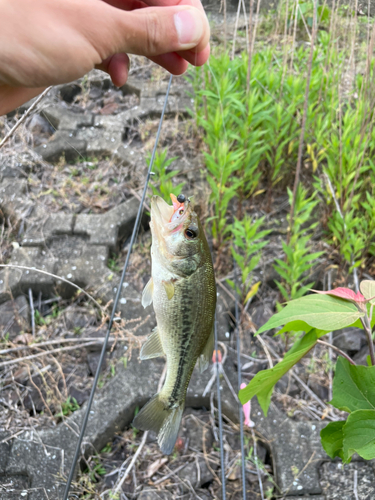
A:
[248, 240]
[101, 382]
[299, 260]
[216, 114]
[305, 14]
[263, 126]
[124, 360]
[113, 264]
[353, 385]
[95, 470]
[222, 165]
[74, 171]
[39, 319]
[107, 448]
[252, 137]
[68, 407]
[163, 185]
[348, 237]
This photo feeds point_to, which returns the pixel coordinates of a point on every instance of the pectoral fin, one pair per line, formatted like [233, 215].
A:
[147, 293]
[206, 356]
[152, 348]
[169, 288]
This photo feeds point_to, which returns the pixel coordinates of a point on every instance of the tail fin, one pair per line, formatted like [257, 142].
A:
[154, 416]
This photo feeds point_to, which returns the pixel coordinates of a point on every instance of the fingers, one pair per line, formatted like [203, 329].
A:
[177, 63]
[138, 4]
[196, 58]
[172, 62]
[171, 3]
[117, 67]
[126, 4]
[153, 31]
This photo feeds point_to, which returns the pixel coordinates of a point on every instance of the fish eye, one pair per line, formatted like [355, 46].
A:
[190, 234]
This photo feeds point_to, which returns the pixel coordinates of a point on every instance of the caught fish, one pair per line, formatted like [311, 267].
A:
[182, 290]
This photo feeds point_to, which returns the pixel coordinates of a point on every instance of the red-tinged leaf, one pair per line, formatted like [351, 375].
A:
[344, 293]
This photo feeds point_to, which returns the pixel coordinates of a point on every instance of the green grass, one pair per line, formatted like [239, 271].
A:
[161, 182]
[251, 141]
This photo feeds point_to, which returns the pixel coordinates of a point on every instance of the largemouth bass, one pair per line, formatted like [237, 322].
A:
[183, 292]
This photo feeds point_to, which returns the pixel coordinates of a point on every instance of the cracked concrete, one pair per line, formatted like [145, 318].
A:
[74, 247]
[45, 457]
[99, 136]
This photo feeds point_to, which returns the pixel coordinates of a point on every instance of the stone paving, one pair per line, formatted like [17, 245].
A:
[93, 135]
[40, 460]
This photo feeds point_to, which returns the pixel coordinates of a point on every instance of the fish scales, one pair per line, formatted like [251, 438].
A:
[183, 292]
[184, 328]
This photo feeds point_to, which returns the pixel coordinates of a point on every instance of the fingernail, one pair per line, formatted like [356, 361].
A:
[189, 28]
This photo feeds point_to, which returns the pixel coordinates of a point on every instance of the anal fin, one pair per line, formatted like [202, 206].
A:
[152, 348]
[206, 356]
[147, 293]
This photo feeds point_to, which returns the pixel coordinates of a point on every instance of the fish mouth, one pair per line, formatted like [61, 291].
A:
[169, 218]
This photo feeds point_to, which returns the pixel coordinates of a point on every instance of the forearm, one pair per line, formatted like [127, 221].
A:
[11, 98]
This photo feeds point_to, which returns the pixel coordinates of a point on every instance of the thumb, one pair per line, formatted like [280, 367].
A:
[152, 31]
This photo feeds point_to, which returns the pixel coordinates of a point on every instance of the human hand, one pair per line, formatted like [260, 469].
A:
[45, 43]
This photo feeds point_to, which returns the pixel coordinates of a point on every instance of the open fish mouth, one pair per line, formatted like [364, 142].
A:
[169, 218]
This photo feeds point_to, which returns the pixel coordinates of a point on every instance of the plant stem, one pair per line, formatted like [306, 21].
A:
[224, 4]
[304, 118]
[342, 353]
[366, 325]
[249, 52]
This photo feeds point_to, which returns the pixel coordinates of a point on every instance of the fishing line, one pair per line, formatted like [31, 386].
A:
[238, 341]
[222, 463]
[117, 298]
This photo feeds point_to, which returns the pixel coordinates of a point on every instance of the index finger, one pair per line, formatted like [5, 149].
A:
[172, 3]
[137, 4]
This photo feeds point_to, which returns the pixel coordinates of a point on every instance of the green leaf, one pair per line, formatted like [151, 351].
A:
[263, 382]
[367, 288]
[295, 326]
[359, 434]
[332, 439]
[353, 387]
[319, 311]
